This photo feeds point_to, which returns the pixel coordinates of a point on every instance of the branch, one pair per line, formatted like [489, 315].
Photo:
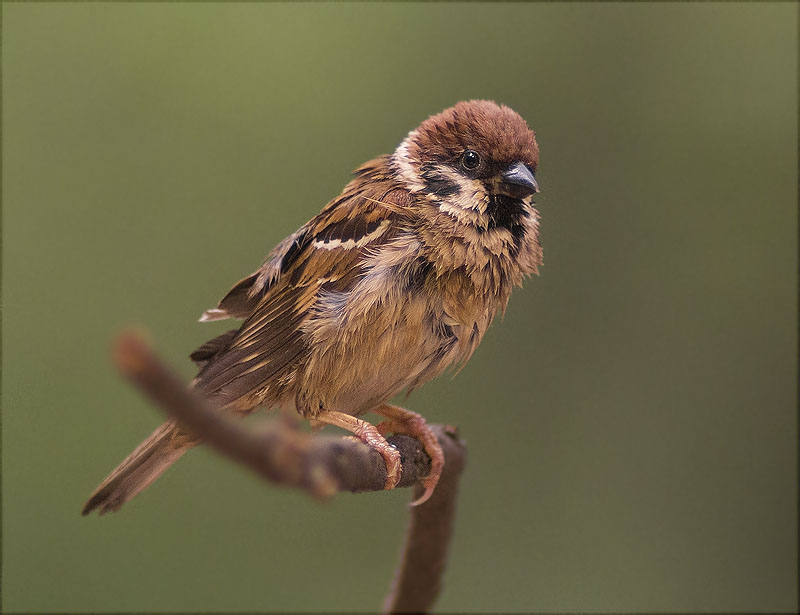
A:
[322, 465]
[418, 579]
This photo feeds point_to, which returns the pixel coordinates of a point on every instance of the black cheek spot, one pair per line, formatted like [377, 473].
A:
[438, 184]
[441, 187]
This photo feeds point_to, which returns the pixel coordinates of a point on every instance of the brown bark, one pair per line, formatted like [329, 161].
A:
[322, 465]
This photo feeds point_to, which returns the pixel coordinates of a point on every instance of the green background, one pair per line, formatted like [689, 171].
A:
[631, 423]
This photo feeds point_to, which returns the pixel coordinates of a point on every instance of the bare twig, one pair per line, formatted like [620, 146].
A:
[418, 579]
[321, 465]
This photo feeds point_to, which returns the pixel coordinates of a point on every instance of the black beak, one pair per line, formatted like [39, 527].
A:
[519, 179]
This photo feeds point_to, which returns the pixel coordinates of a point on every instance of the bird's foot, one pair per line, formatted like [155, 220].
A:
[410, 423]
[369, 435]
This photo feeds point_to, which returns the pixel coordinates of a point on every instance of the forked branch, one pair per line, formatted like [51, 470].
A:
[322, 465]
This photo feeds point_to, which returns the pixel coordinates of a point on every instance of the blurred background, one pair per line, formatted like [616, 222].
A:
[632, 423]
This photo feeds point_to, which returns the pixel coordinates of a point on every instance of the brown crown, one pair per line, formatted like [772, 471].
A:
[492, 130]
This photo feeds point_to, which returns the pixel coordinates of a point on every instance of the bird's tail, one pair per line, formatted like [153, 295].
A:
[144, 465]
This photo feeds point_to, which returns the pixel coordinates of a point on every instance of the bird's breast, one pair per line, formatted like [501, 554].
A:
[395, 329]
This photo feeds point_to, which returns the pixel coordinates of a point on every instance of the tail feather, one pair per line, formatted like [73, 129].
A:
[144, 465]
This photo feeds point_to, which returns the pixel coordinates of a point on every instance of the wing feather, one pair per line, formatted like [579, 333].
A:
[260, 358]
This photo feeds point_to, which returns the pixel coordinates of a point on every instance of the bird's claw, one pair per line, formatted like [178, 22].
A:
[414, 425]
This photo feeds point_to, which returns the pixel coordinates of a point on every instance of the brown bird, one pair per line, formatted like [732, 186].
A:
[394, 281]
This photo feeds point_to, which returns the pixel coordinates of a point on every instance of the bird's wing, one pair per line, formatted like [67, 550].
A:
[243, 298]
[325, 254]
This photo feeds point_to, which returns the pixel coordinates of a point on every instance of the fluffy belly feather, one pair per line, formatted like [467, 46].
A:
[358, 361]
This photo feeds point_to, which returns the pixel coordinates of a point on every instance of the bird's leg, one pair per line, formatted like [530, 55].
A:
[369, 435]
[411, 423]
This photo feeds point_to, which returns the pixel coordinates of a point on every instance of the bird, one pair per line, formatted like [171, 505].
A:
[394, 282]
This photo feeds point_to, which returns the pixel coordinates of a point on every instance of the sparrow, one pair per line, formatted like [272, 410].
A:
[396, 280]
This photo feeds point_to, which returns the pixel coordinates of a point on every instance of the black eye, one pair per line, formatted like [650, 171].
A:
[470, 160]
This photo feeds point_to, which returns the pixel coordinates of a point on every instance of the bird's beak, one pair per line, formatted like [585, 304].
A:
[518, 181]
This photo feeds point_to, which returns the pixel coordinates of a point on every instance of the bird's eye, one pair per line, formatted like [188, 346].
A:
[470, 160]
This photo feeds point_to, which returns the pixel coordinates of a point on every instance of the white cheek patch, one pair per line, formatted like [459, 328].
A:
[349, 244]
[402, 160]
[467, 208]
[471, 192]
[471, 195]
[465, 216]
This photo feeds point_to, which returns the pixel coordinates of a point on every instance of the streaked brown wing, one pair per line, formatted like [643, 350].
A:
[212, 347]
[326, 253]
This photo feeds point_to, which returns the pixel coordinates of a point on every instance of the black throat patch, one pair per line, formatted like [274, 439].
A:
[508, 213]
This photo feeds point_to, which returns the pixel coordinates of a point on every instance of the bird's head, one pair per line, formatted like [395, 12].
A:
[473, 158]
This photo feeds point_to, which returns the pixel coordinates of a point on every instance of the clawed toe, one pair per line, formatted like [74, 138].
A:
[412, 424]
